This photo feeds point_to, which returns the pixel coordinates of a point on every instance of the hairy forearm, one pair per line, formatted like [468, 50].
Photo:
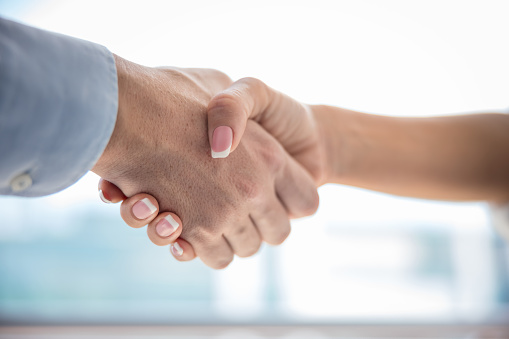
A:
[451, 158]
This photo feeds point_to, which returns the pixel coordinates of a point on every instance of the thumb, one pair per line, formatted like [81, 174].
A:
[229, 111]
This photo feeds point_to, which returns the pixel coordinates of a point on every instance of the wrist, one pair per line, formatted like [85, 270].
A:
[334, 129]
[121, 132]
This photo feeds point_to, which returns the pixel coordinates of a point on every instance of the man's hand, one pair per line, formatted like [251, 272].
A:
[160, 147]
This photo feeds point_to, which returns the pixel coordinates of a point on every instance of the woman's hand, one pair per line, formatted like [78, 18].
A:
[142, 209]
[292, 123]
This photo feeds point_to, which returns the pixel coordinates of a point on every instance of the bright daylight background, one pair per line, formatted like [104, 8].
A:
[364, 257]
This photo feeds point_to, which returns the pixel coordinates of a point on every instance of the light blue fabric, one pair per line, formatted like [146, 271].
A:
[58, 107]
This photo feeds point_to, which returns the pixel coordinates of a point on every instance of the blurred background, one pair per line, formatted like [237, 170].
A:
[364, 257]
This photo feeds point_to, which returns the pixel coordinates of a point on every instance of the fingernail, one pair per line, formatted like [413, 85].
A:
[176, 249]
[143, 209]
[166, 226]
[222, 139]
[103, 198]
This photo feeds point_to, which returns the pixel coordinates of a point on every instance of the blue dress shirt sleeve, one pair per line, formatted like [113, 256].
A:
[58, 107]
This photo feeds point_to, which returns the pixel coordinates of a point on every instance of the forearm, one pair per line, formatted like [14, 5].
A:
[452, 158]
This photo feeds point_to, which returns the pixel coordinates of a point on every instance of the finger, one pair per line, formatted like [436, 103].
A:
[139, 210]
[250, 98]
[244, 240]
[228, 113]
[296, 189]
[215, 253]
[182, 250]
[164, 229]
[110, 193]
[272, 221]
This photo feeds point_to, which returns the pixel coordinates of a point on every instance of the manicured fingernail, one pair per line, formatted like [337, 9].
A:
[143, 209]
[103, 198]
[176, 249]
[222, 139]
[166, 226]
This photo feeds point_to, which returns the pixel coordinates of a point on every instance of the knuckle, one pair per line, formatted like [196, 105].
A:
[249, 251]
[272, 155]
[202, 233]
[240, 231]
[211, 74]
[307, 203]
[223, 78]
[222, 263]
[197, 233]
[312, 201]
[280, 237]
[248, 189]
[211, 225]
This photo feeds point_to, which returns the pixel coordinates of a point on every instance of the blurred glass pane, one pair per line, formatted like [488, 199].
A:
[69, 258]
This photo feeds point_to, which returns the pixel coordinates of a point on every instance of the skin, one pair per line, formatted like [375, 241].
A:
[159, 146]
[461, 158]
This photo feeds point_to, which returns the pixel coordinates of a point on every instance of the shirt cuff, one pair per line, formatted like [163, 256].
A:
[58, 107]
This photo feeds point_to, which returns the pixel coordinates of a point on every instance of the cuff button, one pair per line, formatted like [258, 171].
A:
[21, 183]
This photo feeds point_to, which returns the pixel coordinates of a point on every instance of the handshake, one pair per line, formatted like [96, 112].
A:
[173, 128]
[215, 168]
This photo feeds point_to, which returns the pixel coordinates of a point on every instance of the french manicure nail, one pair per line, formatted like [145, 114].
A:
[103, 198]
[143, 209]
[166, 226]
[176, 249]
[222, 139]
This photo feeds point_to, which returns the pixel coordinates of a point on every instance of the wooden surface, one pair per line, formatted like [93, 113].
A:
[258, 332]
